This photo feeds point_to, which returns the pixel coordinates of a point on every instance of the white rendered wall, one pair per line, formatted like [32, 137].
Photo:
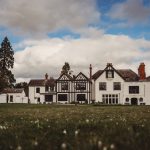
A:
[109, 87]
[147, 93]
[141, 93]
[17, 98]
[33, 96]
[3, 98]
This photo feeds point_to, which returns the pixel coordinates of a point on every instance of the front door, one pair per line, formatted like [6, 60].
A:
[134, 101]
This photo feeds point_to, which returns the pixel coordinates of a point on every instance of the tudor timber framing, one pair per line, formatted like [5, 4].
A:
[72, 92]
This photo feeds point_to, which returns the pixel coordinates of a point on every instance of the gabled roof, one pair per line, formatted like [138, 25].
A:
[97, 74]
[42, 82]
[67, 75]
[125, 74]
[13, 90]
[86, 78]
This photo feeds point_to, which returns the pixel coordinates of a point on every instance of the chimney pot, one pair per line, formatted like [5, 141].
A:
[109, 64]
[46, 76]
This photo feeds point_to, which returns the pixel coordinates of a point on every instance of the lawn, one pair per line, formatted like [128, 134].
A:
[56, 127]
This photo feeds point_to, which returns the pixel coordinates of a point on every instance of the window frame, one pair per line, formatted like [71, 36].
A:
[64, 86]
[134, 91]
[115, 85]
[102, 86]
[108, 72]
[80, 86]
[37, 89]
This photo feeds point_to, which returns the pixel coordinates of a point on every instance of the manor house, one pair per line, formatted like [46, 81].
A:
[107, 86]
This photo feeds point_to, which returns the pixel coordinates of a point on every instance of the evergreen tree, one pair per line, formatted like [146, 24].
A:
[6, 64]
[65, 68]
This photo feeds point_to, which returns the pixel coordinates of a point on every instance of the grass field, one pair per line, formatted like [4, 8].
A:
[25, 127]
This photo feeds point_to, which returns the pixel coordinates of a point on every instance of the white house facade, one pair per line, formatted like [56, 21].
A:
[123, 86]
[42, 90]
[12, 95]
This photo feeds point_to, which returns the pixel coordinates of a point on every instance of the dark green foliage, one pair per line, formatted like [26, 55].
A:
[86, 127]
[65, 68]
[23, 85]
[6, 64]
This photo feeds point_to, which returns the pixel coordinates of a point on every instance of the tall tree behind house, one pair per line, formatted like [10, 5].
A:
[6, 64]
[65, 68]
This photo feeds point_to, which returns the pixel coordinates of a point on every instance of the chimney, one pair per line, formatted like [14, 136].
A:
[109, 64]
[46, 76]
[141, 71]
[90, 71]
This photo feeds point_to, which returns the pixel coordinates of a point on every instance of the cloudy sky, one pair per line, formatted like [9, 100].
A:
[46, 33]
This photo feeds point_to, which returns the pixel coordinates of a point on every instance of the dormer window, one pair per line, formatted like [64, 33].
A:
[109, 74]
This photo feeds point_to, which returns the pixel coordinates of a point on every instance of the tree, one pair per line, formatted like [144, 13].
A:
[6, 64]
[23, 85]
[66, 68]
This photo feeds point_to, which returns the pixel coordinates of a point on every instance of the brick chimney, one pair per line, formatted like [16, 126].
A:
[46, 76]
[90, 71]
[141, 71]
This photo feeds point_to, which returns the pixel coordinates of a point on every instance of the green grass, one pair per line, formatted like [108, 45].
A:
[25, 127]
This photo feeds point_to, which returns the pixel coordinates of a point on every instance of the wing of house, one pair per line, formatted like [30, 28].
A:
[121, 86]
[42, 90]
[13, 95]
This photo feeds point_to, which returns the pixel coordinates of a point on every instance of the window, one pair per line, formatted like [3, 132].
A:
[11, 98]
[81, 86]
[109, 74]
[133, 89]
[37, 90]
[117, 86]
[48, 98]
[64, 85]
[102, 86]
[127, 99]
[62, 97]
[141, 99]
[80, 97]
[46, 88]
[110, 98]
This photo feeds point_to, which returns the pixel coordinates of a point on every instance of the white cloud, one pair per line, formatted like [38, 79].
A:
[132, 11]
[32, 17]
[49, 55]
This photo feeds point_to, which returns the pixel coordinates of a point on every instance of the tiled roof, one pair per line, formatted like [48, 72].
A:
[126, 74]
[148, 78]
[42, 82]
[97, 74]
[12, 90]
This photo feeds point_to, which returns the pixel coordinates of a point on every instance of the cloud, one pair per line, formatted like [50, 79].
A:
[132, 11]
[48, 55]
[32, 17]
